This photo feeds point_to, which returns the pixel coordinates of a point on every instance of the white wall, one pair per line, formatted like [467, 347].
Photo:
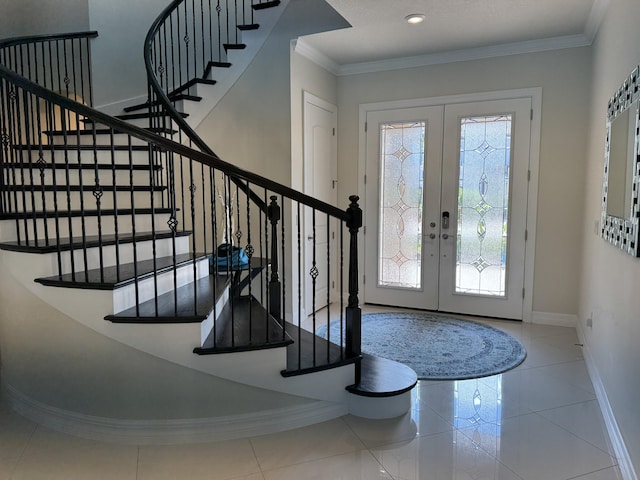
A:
[564, 78]
[610, 278]
[37, 17]
[117, 53]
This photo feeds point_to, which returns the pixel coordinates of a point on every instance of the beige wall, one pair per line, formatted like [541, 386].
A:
[610, 278]
[38, 17]
[563, 76]
[117, 53]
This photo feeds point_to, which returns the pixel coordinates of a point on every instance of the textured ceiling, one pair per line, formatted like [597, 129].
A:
[379, 31]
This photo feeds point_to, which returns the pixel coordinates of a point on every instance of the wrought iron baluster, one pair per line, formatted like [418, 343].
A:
[299, 236]
[342, 227]
[214, 232]
[249, 249]
[313, 273]
[134, 241]
[186, 40]
[98, 193]
[192, 191]
[283, 288]
[114, 183]
[328, 275]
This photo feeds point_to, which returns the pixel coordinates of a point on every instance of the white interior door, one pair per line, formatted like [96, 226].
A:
[446, 206]
[320, 172]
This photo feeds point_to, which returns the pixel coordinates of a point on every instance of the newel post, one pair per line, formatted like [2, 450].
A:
[354, 314]
[273, 212]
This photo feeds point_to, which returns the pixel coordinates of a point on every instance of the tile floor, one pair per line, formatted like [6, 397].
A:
[540, 421]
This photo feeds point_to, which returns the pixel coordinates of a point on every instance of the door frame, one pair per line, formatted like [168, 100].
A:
[309, 98]
[535, 94]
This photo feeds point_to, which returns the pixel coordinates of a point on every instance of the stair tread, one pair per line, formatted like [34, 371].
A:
[83, 188]
[253, 329]
[249, 26]
[175, 98]
[234, 46]
[65, 244]
[219, 64]
[116, 276]
[178, 307]
[191, 83]
[80, 213]
[101, 131]
[264, 5]
[381, 377]
[304, 357]
[88, 165]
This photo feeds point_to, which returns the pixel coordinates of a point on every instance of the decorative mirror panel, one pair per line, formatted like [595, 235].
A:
[620, 209]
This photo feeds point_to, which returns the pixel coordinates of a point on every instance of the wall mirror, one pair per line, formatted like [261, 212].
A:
[620, 209]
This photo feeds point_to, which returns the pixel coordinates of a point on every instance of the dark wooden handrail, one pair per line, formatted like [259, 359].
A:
[15, 41]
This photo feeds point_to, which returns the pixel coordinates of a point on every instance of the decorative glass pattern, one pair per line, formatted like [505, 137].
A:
[401, 200]
[483, 205]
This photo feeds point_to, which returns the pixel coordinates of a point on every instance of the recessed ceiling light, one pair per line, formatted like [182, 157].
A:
[414, 18]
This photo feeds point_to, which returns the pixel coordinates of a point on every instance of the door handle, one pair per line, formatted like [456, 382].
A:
[445, 236]
[432, 236]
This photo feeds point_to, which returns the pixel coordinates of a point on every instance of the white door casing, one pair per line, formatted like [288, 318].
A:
[320, 160]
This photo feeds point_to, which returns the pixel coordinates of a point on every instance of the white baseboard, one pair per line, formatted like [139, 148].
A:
[617, 442]
[180, 431]
[555, 319]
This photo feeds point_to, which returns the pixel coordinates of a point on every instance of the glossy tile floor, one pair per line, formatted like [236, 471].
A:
[539, 421]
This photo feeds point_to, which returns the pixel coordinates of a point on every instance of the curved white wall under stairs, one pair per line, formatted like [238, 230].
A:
[66, 367]
[68, 374]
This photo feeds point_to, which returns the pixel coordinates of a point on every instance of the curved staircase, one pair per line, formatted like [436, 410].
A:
[137, 328]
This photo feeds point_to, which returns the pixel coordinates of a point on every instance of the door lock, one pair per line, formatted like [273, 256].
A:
[445, 220]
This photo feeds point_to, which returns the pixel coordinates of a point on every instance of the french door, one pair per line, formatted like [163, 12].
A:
[446, 205]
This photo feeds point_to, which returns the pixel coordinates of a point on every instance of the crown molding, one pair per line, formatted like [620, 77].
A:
[532, 46]
[303, 48]
[598, 11]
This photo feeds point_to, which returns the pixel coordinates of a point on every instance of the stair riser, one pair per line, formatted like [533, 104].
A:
[164, 122]
[143, 223]
[100, 139]
[33, 176]
[125, 297]
[106, 157]
[123, 254]
[28, 201]
[206, 327]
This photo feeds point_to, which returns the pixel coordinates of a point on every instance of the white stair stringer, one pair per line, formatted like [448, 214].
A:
[175, 342]
[70, 378]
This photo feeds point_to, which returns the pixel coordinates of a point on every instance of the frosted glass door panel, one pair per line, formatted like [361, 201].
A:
[483, 205]
[402, 198]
